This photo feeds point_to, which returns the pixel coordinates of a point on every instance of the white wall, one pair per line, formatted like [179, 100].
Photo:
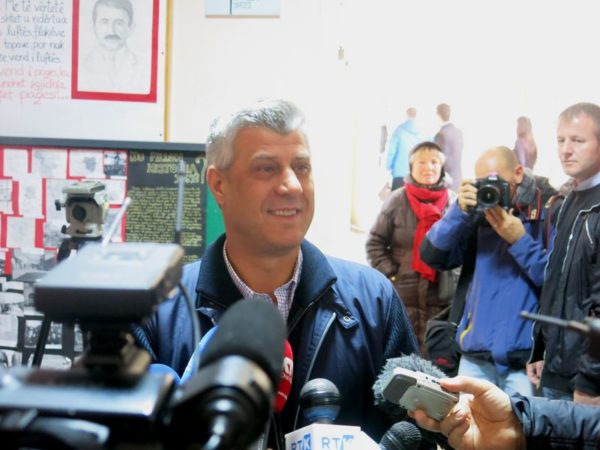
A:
[355, 65]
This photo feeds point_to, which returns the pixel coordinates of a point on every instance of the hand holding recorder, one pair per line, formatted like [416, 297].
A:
[419, 391]
[482, 420]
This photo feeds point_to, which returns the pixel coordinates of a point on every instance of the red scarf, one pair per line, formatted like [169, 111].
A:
[427, 206]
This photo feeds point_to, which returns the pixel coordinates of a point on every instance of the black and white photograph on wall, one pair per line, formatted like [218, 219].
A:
[12, 303]
[53, 235]
[54, 187]
[86, 164]
[6, 205]
[114, 48]
[77, 339]
[4, 360]
[49, 163]
[32, 332]
[115, 164]
[9, 330]
[28, 297]
[10, 358]
[30, 264]
[2, 261]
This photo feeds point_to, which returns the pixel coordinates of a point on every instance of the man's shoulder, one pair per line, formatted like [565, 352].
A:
[345, 266]
[394, 200]
[449, 130]
[358, 277]
[543, 184]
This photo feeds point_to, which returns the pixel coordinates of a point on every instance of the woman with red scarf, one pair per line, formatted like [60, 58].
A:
[394, 240]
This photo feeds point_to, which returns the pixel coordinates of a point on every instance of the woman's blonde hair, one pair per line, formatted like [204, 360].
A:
[426, 146]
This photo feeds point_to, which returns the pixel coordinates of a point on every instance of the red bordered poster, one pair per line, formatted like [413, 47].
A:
[115, 50]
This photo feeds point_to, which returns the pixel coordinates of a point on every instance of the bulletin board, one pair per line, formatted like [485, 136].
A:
[83, 69]
[33, 173]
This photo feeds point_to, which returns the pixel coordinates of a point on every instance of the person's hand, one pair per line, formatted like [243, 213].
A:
[585, 399]
[534, 372]
[467, 195]
[509, 227]
[483, 419]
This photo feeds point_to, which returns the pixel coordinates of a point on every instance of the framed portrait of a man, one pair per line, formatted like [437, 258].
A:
[115, 50]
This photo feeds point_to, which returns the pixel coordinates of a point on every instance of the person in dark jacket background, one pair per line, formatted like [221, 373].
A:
[394, 240]
[450, 140]
[572, 282]
[502, 253]
[525, 147]
[344, 319]
[488, 419]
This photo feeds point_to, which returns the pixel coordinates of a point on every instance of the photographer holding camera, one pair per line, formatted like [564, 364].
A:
[497, 231]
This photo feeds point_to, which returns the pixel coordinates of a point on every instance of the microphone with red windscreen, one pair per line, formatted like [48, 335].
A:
[285, 381]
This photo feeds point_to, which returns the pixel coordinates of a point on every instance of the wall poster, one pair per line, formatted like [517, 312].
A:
[83, 69]
[115, 50]
[32, 179]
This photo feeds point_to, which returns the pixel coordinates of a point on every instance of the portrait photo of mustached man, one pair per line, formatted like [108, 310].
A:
[115, 46]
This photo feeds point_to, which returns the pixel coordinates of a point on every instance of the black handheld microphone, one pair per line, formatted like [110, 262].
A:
[590, 327]
[320, 401]
[401, 436]
[394, 410]
[227, 403]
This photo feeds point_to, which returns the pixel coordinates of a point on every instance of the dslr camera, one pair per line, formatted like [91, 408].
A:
[491, 191]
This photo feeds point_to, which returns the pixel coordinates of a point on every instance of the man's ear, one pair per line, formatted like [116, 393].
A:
[216, 184]
[519, 173]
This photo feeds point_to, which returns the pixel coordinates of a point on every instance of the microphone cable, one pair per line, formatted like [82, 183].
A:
[195, 323]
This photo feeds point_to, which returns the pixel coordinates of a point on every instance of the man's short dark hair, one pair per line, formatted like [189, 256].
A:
[443, 110]
[125, 5]
[589, 109]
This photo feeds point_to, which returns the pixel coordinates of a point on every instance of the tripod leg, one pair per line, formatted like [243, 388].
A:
[41, 342]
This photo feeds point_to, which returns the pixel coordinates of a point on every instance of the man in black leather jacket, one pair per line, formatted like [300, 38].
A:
[571, 290]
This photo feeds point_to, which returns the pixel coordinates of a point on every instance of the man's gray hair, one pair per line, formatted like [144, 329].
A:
[589, 109]
[281, 116]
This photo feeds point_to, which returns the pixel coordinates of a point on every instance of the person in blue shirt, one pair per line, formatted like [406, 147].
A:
[405, 137]
[502, 251]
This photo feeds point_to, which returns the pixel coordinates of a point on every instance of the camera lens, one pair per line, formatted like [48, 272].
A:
[79, 213]
[488, 196]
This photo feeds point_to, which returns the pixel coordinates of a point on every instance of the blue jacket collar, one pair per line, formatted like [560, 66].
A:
[215, 287]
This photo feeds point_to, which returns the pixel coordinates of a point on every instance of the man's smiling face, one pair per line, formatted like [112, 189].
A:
[267, 193]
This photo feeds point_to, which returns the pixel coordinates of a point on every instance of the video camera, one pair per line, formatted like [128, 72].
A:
[109, 399]
[86, 205]
[491, 191]
[108, 392]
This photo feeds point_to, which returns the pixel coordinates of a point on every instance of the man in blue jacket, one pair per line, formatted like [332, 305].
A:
[503, 254]
[344, 319]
